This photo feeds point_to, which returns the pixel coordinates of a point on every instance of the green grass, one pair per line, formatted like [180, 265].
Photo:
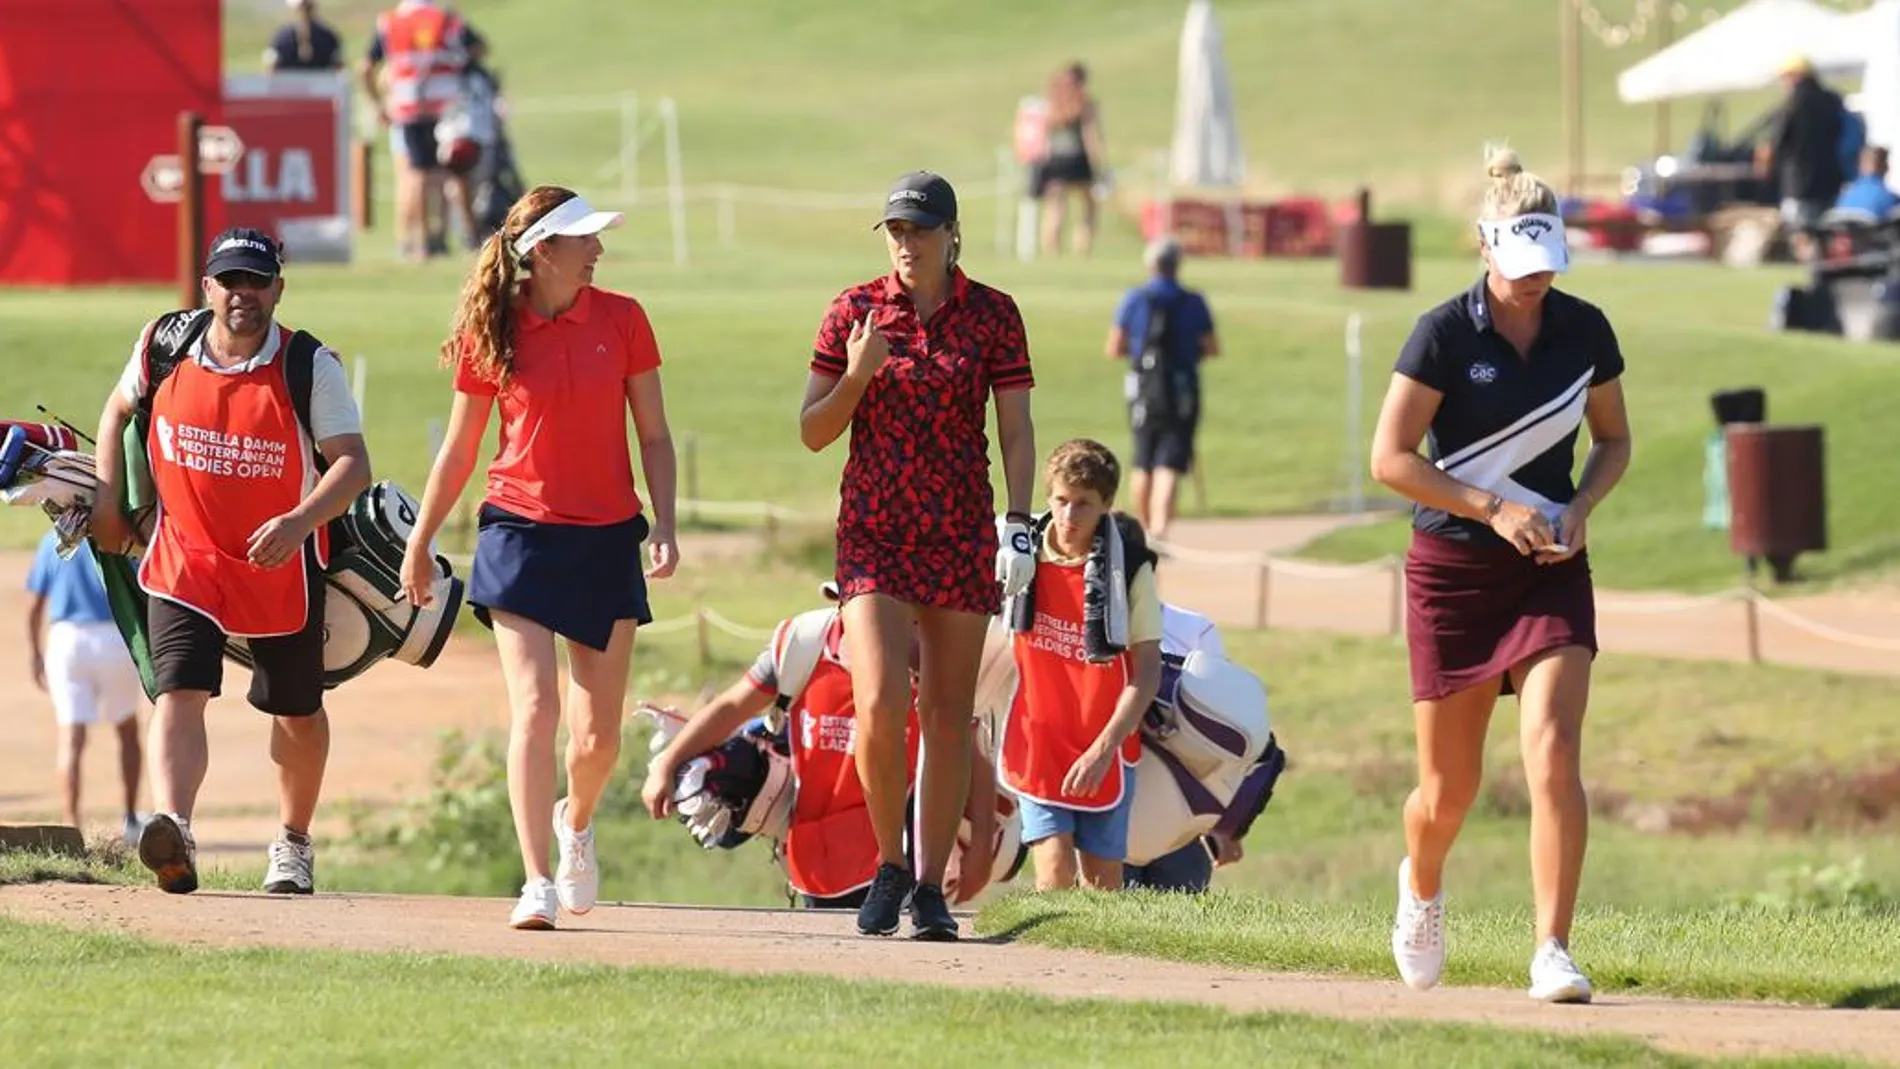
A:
[1830, 959]
[778, 101]
[83, 999]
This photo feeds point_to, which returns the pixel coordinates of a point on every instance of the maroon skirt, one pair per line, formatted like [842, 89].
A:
[1476, 610]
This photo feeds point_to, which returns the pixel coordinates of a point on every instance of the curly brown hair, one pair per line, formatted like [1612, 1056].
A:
[483, 332]
[1085, 464]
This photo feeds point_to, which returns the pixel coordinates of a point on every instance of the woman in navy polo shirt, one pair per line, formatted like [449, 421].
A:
[1498, 586]
[909, 361]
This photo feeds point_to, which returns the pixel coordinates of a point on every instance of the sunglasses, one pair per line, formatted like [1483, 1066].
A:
[242, 280]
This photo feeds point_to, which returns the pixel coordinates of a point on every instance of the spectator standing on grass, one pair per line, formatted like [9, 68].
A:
[907, 362]
[557, 552]
[1803, 153]
[1074, 160]
[1497, 578]
[425, 46]
[254, 446]
[75, 654]
[1163, 330]
[304, 43]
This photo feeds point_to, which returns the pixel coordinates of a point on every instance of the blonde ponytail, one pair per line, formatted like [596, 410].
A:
[1511, 189]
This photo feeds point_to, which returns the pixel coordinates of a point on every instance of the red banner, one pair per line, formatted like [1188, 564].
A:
[90, 91]
[293, 179]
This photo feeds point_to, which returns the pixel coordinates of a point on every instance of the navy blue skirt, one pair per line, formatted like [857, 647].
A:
[577, 581]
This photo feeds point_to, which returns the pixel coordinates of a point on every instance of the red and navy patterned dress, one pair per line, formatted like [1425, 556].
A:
[916, 515]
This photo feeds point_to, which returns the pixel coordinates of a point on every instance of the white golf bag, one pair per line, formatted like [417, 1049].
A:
[1200, 739]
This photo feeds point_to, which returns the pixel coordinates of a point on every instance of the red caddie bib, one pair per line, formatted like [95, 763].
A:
[1062, 701]
[226, 456]
[830, 849]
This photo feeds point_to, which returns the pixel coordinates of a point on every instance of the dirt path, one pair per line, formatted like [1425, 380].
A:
[777, 941]
[387, 722]
[1365, 600]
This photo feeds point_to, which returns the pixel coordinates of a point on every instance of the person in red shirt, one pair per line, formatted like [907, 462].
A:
[560, 527]
[908, 362]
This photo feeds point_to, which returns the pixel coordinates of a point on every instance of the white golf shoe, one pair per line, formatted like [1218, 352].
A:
[1555, 977]
[1418, 934]
[537, 908]
[577, 878]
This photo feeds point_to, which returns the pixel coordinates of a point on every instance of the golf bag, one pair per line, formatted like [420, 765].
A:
[742, 788]
[1202, 739]
[364, 617]
[494, 178]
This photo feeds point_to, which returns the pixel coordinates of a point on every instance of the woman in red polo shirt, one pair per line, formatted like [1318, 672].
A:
[908, 362]
[558, 548]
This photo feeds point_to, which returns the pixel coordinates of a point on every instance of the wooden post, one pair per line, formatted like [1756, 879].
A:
[1569, 34]
[1261, 583]
[191, 212]
[1752, 622]
[362, 185]
[703, 629]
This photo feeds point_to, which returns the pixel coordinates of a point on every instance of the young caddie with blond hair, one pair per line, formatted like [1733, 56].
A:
[1087, 641]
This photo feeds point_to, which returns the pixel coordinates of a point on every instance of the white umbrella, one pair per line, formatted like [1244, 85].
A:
[1206, 150]
[1745, 50]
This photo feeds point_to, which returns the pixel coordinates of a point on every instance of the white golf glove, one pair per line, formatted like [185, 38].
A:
[1015, 553]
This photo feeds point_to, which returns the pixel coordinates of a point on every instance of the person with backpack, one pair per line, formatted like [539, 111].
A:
[254, 444]
[801, 684]
[1086, 637]
[1164, 330]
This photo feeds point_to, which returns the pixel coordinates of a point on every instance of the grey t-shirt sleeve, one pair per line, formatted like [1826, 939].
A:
[763, 674]
[332, 408]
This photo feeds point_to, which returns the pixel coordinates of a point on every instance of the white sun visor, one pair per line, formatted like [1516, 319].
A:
[1526, 244]
[572, 218]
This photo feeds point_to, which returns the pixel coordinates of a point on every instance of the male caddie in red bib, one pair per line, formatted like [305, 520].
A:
[238, 545]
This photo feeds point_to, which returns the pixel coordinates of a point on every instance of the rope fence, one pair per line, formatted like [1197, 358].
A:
[705, 621]
[1754, 603]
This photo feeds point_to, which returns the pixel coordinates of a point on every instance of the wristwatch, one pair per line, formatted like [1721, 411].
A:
[1491, 508]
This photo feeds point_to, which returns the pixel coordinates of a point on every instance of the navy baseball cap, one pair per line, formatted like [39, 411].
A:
[920, 197]
[244, 249]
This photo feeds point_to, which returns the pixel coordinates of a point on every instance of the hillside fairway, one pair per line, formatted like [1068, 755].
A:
[784, 942]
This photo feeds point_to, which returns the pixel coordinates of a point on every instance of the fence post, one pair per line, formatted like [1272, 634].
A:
[1753, 622]
[703, 629]
[362, 185]
[1261, 581]
[191, 212]
[630, 148]
[359, 387]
